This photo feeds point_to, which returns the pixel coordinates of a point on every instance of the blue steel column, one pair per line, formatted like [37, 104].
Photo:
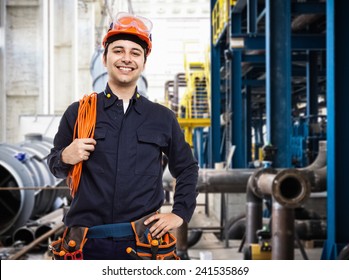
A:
[337, 131]
[252, 14]
[238, 120]
[278, 83]
[312, 106]
[312, 84]
[248, 124]
[215, 132]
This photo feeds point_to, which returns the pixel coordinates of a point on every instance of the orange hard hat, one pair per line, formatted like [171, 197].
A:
[125, 23]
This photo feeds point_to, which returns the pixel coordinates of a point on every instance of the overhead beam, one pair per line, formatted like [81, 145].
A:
[298, 42]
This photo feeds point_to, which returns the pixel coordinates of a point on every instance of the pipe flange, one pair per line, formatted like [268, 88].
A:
[290, 188]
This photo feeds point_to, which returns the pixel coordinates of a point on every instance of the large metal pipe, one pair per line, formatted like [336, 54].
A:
[24, 234]
[223, 181]
[283, 232]
[15, 205]
[235, 180]
[254, 215]
[182, 241]
[23, 167]
[37, 241]
[288, 187]
[282, 229]
[317, 178]
[316, 172]
[47, 223]
[311, 229]
[321, 159]
[36, 228]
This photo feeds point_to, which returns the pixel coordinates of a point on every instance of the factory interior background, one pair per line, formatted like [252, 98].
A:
[259, 88]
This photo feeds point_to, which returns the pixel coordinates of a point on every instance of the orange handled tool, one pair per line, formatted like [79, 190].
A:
[166, 239]
[154, 248]
[133, 253]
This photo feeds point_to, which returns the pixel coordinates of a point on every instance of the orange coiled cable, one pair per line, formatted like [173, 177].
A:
[84, 128]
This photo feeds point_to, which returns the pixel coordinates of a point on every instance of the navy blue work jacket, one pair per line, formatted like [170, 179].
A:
[122, 179]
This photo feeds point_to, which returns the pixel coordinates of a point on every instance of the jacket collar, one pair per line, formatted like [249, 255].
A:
[110, 98]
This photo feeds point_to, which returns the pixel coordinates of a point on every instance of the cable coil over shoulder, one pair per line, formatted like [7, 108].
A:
[84, 128]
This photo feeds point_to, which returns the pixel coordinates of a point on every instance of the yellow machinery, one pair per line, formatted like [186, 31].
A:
[262, 249]
[194, 106]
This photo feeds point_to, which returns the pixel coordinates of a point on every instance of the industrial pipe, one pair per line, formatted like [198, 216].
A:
[47, 223]
[181, 234]
[235, 180]
[36, 228]
[254, 214]
[311, 229]
[288, 187]
[25, 234]
[321, 159]
[223, 181]
[316, 172]
[30, 246]
[283, 232]
[23, 167]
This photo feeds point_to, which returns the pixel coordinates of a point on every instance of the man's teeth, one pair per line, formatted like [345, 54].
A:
[125, 69]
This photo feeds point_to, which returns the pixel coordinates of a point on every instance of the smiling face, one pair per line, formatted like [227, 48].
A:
[125, 62]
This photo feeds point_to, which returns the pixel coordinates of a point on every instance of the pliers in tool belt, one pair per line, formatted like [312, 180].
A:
[76, 255]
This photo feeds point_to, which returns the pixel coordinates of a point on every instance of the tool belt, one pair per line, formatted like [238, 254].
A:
[69, 246]
[148, 248]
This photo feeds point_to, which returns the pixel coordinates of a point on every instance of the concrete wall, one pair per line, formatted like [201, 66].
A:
[23, 68]
[2, 74]
[235, 205]
[45, 53]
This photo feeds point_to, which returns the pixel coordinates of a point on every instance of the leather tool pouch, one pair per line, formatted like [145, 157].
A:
[69, 246]
[166, 249]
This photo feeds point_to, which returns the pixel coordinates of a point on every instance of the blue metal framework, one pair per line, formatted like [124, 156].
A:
[337, 134]
[269, 51]
[278, 79]
[275, 79]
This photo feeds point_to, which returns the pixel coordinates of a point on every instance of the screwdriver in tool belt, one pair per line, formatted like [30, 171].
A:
[154, 248]
[166, 239]
[61, 253]
[133, 253]
[71, 245]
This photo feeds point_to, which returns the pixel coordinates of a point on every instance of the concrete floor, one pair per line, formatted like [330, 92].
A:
[210, 247]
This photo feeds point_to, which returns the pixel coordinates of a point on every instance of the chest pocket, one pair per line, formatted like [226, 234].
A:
[149, 153]
[97, 160]
[99, 136]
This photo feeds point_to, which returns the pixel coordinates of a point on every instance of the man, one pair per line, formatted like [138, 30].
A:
[121, 178]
